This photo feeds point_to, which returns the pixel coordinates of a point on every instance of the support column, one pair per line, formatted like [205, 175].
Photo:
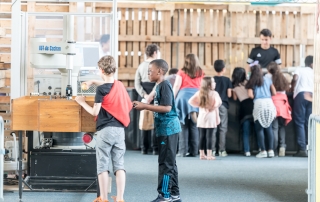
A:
[316, 99]
[16, 73]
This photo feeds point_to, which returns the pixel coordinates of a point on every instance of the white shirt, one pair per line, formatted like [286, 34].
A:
[305, 80]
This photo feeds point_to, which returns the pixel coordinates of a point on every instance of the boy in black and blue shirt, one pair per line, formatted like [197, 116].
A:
[167, 127]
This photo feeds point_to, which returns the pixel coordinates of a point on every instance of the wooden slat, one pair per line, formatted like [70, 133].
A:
[5, 40]
[6, 116]
[136, 30]
[4, 107]
[129, 43]
[5, 65]
[5, 57]
[247, 40]
[175, 29]
[195, 22]
[188, 32]
[5, 49]
[143, 30]
[181, 45]
[4, 99]
[123, 25]
[207, 32]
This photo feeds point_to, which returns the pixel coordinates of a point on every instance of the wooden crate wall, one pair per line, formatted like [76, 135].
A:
[212, 32]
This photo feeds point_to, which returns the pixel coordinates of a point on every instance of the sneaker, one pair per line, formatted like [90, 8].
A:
[144, 152]
[223, 153]
[160, 198]
[247, 153]
[214, 153]
[282, 151]
[176, 198]
[262, 154]
[271, 154]
[100, 200]
[301, 153]
[155, 152]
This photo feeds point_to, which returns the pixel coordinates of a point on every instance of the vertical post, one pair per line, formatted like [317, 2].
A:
[20, 165]
[316, 107]
[2, 152]
[114, 35]
[15, 49]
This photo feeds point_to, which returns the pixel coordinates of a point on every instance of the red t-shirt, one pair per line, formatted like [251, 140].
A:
[188, 82]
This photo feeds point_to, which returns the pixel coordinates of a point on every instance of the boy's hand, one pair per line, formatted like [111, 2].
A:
[86, 84]
[139, 105]
[80, 99]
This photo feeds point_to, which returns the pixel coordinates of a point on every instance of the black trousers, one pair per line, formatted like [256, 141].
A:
[148, 140]
[168, 171]
[206, 135]
[189, 138]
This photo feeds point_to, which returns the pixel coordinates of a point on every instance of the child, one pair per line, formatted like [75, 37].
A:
[208, 101]
[246, 105]
[302, 86]
[167, 127]
[172, 76]
[260, 89]
[111, 120]
[281, 103]
[223, 87]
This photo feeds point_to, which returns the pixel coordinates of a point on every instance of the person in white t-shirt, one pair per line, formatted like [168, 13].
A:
[301, 84]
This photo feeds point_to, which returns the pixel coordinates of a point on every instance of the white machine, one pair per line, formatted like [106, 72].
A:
[66, 56]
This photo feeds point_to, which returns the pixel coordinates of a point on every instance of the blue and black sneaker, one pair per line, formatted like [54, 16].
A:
[160, 198]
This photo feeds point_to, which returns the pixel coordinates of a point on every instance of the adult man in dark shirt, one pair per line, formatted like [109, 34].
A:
[264, 53]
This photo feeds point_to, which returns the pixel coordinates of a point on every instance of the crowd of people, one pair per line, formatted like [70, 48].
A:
[190, 108]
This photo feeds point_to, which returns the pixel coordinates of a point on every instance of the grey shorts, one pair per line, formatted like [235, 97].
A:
[110, 146]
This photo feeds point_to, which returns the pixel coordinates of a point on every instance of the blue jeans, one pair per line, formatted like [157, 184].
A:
[302, 109]
[245, 135]
[260, 136]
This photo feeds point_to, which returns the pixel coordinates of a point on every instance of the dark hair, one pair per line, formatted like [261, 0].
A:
[308, 61]
[160, 64]
[279, 81]
[192, 66]
[256, 77]
[173, 71]
[218, 65]
[151, 49]
[104, 38]
[266, 33]
[238, 76]
[107, 64]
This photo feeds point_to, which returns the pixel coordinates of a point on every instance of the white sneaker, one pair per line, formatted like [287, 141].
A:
[271, 153]
[223, 154]
[262, 154]
[247, 153]
[214, 153]
[282, 151]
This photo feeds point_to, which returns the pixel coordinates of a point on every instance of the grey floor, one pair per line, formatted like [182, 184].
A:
[233, 178]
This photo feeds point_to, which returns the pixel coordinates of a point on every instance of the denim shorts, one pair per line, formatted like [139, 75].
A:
[110, 146]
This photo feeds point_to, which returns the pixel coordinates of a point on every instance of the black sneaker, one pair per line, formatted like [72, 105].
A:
[301, 153]
[176, 198]
[160, 198]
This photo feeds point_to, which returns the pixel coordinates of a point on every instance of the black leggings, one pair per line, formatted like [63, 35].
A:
[206, 135]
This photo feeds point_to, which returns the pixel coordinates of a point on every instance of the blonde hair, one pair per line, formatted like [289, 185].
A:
[205, 88]
[107, 64]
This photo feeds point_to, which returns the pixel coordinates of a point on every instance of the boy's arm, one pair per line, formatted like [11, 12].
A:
[161, 109]
[194, 100]
[229, 92]
[294, 82]
[177, 85]
[250, 93]
[234, 95]
[94, 111]
[273, 90]
[95, 82]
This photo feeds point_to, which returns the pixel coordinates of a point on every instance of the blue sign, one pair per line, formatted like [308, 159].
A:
[49, 48]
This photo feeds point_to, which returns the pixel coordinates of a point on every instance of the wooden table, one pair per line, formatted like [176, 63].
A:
[48, 114]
